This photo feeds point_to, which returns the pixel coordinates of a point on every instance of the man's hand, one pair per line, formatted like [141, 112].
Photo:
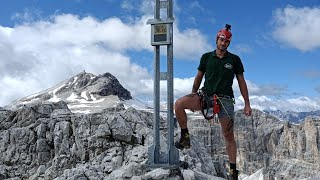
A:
[247, 110]
[244, 92]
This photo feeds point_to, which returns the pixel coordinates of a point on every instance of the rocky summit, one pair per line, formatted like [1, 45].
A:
[48, 141]
[84, 93]
[56, 134]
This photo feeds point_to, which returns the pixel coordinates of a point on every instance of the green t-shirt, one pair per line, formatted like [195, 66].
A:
[219, 72]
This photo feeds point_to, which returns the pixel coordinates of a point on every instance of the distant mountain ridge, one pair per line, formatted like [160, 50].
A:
[84, 92]
[292, 116]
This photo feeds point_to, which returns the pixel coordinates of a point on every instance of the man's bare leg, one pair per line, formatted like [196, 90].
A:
[231, 147]
[227, 131]
[192, 102]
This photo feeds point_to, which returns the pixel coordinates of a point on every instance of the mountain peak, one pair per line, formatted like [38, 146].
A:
[294, 117]
[82, 92]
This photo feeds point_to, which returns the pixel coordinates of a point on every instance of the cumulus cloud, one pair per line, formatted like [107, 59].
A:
[298, 104]
[146, 7]
[182, 86]
[262, 97]
[274, 97]
[199, 44]
[36, 55]
[298, 27]
[182, 50]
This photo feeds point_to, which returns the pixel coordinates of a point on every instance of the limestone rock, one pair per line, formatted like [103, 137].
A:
[281, 149]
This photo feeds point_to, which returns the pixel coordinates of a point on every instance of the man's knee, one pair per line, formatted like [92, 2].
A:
[189, 101]
[178, 104]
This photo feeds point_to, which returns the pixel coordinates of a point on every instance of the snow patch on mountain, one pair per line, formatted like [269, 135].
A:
[84, 93]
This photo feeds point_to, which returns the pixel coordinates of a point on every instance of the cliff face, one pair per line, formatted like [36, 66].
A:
[282, 149]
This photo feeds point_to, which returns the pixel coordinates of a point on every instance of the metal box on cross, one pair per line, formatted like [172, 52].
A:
[161, 32]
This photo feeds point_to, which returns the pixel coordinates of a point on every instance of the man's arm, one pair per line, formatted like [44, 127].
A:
[197, 81]
[244, 92]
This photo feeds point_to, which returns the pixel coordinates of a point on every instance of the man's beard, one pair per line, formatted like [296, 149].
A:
[222, 48]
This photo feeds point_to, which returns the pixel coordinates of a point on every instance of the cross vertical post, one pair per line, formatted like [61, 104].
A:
[162, 34]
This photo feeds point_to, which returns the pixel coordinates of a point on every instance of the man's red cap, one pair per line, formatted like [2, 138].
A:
[225, 33]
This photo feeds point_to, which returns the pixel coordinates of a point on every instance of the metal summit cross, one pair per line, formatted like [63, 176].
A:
[162, 34]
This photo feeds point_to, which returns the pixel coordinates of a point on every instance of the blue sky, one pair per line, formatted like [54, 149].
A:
[45, 42]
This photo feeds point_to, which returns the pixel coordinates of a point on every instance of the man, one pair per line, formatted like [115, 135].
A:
[219, 68]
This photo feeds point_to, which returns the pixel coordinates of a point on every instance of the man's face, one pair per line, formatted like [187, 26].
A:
[222, 43]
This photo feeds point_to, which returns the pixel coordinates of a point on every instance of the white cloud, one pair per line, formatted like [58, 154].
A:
[299, 104]
[190, 44]
[182, 86]
[71, 30]
[147, 7]
[38, 55]
[257, 99]
[298, 27]
[14, 87]
[46, 52]
[270, 97]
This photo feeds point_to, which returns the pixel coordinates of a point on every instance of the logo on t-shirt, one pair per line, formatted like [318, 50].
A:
[228, 66]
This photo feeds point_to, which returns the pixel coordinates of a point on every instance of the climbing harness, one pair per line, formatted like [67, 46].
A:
[216, 109]
[204, 103]
[211, 106]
